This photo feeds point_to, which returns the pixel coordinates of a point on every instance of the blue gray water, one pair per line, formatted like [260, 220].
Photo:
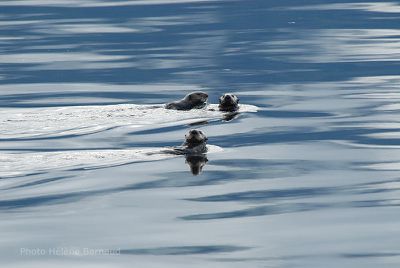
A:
[310, 180]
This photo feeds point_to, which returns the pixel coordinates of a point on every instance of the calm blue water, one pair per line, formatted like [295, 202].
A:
[310, 180]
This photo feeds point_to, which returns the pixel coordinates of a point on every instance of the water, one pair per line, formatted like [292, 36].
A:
[309, 180]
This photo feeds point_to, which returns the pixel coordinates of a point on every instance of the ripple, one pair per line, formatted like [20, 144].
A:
[96, 3]
[270, 210]
[57, 57]
[80, 120]
[18, 164]
[384, 7]
[351, 45]
[185, 250]
[317, 165]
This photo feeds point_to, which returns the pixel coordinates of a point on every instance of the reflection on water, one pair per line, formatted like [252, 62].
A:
[385, 7]
[309, 180]
[196, 163]
[337, 45]
[182, 250]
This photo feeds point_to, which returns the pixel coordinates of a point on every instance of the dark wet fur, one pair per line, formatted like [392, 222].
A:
[228, 103]
[194, 149]
[185, 149]
[192, 145]
[190, 101]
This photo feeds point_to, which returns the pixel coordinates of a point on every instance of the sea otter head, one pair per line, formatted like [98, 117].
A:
[195, 137]
[228, 102]
[197, 99]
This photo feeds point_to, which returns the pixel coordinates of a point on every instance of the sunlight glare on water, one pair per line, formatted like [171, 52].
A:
[306, 175]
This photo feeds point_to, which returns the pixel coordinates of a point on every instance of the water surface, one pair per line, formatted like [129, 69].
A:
[309, 180]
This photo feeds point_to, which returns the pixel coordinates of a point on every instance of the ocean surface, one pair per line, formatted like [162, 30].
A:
[307, 175]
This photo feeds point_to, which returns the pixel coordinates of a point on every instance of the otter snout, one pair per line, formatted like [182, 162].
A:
[200, 96]
[197, 99]
[195, 144]
[194, 100]
[195, 136]
[228, 102]
[228, 99]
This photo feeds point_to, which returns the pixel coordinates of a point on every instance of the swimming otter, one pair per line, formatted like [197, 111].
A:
[194, 100]
[195, 143]
[194, 148]
[228, 103]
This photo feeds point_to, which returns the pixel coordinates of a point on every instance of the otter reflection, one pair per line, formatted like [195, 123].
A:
[196, 163]
[230, 116]
[194, 148]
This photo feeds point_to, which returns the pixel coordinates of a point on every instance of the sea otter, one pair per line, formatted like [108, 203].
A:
[195, 149]
[195, 143]
[228, 103]
[194, 100]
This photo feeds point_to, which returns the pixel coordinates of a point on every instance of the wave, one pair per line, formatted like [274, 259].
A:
[20, 164]
[31, 123]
